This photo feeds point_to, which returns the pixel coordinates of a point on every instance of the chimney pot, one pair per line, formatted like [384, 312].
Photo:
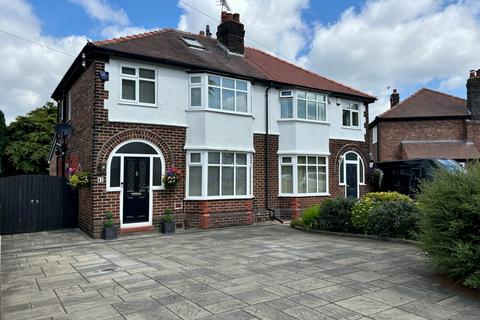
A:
[202, 33]
[207, 31]
[394, 98]
[224, 16]
[473, 73]
[236, 17]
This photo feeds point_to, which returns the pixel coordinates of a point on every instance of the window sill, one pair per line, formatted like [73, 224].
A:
[304, 195]
[219, 198]
[242, 114]
[304, 120]
[352, 128]
[137, 104]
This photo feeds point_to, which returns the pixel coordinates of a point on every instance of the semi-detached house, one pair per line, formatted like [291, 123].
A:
[252, 134]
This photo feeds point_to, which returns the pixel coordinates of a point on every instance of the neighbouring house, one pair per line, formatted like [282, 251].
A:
[429, 124]
[253, 135]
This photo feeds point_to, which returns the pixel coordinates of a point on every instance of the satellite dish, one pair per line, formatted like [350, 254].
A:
[64, 129]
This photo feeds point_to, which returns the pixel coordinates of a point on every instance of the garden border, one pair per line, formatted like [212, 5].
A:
[361, 236]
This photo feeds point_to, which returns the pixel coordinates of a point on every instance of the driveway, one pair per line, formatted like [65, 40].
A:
[260, 272]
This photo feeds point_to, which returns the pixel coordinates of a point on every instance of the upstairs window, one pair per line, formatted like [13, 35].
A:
[138, 85]
[303, 105]
[218, 93]
[350, 115]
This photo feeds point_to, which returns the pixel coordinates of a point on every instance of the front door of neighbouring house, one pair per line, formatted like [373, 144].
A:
[352, 180]
[136, 189]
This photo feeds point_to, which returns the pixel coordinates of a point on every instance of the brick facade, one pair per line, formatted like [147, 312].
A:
[392, 133]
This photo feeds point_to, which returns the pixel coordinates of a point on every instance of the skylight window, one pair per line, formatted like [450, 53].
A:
[193, 43]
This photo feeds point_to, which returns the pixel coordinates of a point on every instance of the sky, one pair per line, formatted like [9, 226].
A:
[371, 45]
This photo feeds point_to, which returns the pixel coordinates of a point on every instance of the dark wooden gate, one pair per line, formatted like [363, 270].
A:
[33, 203]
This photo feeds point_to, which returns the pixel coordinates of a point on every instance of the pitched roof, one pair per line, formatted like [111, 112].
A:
[427, 103]
[439, 149]
[166, 45]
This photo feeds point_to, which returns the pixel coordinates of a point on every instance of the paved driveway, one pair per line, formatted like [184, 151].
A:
[262, 272]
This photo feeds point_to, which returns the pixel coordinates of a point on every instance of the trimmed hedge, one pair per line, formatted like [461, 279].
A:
[336, 215]
[395, 219]
[450, 223]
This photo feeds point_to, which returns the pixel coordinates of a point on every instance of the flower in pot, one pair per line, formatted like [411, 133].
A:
[109, 230]
[171, 177]
[168, 223]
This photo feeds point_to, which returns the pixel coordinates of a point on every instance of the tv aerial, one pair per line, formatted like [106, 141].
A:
[224, 5]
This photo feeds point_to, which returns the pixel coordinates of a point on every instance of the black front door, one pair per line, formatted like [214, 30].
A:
[352, 182]
[136, 176]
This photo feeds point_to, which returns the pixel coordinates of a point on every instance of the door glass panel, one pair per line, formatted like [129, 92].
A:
[115, 172]
[157, 172]
[351, 156]
[142, 175]
[130, 176]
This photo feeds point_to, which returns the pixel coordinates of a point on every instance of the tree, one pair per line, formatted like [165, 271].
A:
[3, 138]
[28, 141]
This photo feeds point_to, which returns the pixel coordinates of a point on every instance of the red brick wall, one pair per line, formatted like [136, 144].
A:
[392, 133]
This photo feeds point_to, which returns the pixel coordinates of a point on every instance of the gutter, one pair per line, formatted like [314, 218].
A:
[271, 212]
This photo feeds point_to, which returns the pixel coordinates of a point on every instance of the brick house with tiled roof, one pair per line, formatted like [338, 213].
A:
[429, 124]
[253, 135]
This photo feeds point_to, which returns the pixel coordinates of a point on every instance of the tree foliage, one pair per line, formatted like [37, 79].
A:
[28, 141]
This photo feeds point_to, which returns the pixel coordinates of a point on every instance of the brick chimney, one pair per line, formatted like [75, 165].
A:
[473, 94]
[230, 33]
[394, 98]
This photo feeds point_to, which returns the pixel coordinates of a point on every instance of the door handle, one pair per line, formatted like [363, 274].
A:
[32, 201]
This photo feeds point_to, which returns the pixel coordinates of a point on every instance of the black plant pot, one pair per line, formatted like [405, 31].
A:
[109, 233]
[167, 227]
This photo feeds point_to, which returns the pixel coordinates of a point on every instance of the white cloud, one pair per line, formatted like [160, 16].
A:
[29, 72]
[276, 25]
[103, 11]
[389, 43]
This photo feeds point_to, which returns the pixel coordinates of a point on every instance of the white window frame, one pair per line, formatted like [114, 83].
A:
[123, 155]
[204, 92]
[343, 162]
[294, 164]
[137, 79]
[374, 134]
[293, 94]
[69, 106]
[204, 164]
[347, 106]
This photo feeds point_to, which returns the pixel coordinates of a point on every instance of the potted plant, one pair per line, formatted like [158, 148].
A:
[168, 224]
[171, 177]
[109, 231]
[78, 179]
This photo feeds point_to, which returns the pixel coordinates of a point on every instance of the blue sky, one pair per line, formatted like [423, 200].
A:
[369, 45]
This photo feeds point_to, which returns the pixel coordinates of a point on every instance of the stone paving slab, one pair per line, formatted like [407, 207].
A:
[258, 272]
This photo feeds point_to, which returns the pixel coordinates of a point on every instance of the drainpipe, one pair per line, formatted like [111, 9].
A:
[271, 212]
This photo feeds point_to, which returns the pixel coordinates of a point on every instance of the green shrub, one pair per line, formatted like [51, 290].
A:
[398, 219]
[108, 222]
[450, 223]
[296, 223]
[362, 209]
[336, 215]
[310, 216]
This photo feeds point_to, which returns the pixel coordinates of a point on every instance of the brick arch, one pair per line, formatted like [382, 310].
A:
[132, 134]
[346, 148]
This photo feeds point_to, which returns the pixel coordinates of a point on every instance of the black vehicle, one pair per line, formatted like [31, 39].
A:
[404, 175]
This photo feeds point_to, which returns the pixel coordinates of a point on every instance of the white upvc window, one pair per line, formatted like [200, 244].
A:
[305, 105]
[351, 115]
[219, 175]
[214, 92]
[305, 175]
[138, 85]
[374, 134]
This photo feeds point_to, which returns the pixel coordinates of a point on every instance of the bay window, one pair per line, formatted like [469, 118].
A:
[303, 175]
[350, 115]
[216, 174]
[218, 93]
[138, 85]
[303, 105]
